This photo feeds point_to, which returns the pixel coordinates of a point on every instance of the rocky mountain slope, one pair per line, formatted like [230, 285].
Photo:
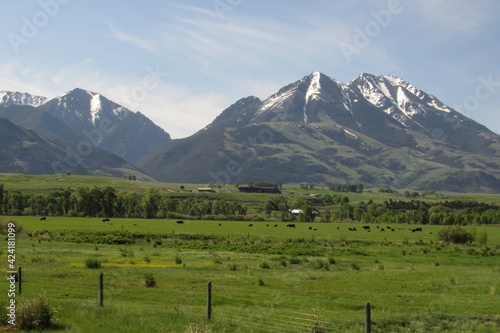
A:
[24, 151]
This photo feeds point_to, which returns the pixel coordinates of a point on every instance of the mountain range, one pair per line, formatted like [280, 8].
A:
[377, 130]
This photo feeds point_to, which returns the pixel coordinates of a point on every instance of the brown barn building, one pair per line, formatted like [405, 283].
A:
[258, 189]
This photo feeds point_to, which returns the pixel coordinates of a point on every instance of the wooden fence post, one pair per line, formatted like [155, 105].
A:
[20, 279]
[368, 319]
[209, 300]
[101, 290]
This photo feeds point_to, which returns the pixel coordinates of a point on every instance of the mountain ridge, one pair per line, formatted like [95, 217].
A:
[105, 123]
[324, 131]
[8, 98]
[379, 130]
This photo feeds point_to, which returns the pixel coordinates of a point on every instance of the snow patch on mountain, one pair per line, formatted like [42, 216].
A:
[95, 107]
[276, 101]
[435, 103]
[313, 92]
[121, 112]
[350, 133]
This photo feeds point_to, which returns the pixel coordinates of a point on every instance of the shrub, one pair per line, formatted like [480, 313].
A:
[455, 235]
[482, 238]
[34, 314]
[178, 260]
[93, 263]
[126, 253]
[355, 266]
[320, 264]
[4, 227]
[149, 280]
[282, 262]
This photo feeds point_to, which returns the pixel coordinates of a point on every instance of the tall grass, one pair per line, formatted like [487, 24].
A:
[93, 263]
[35, 314]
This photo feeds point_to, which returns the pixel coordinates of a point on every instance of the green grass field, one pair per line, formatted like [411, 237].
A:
[44, 183]
[265, 278]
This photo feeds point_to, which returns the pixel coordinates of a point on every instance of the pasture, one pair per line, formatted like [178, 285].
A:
[265, 278]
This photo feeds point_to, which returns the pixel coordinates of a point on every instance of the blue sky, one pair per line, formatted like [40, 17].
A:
[181, 63]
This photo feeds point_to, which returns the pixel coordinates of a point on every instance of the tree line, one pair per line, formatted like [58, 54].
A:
[338, 208]
[458, 212]
[107, 202]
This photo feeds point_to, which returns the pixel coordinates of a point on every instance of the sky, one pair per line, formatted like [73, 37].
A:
[181, 63]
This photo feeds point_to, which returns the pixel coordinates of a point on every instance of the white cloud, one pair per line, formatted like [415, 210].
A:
[128, 38]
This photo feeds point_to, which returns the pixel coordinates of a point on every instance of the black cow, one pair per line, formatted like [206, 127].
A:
[366, 227]
[352, 229]
[105, 220]
[416, 229]
[275, 225]
[310, 228]
[220, 224]
[291, 225]
[250, 225]
[43, 218]
[180, 222]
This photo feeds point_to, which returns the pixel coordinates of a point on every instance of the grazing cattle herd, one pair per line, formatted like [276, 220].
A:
[292, 225]
[364, 227]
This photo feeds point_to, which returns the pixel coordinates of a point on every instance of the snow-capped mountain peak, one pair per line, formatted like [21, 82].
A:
[304, 95]
[107, 124]
[8, 98]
